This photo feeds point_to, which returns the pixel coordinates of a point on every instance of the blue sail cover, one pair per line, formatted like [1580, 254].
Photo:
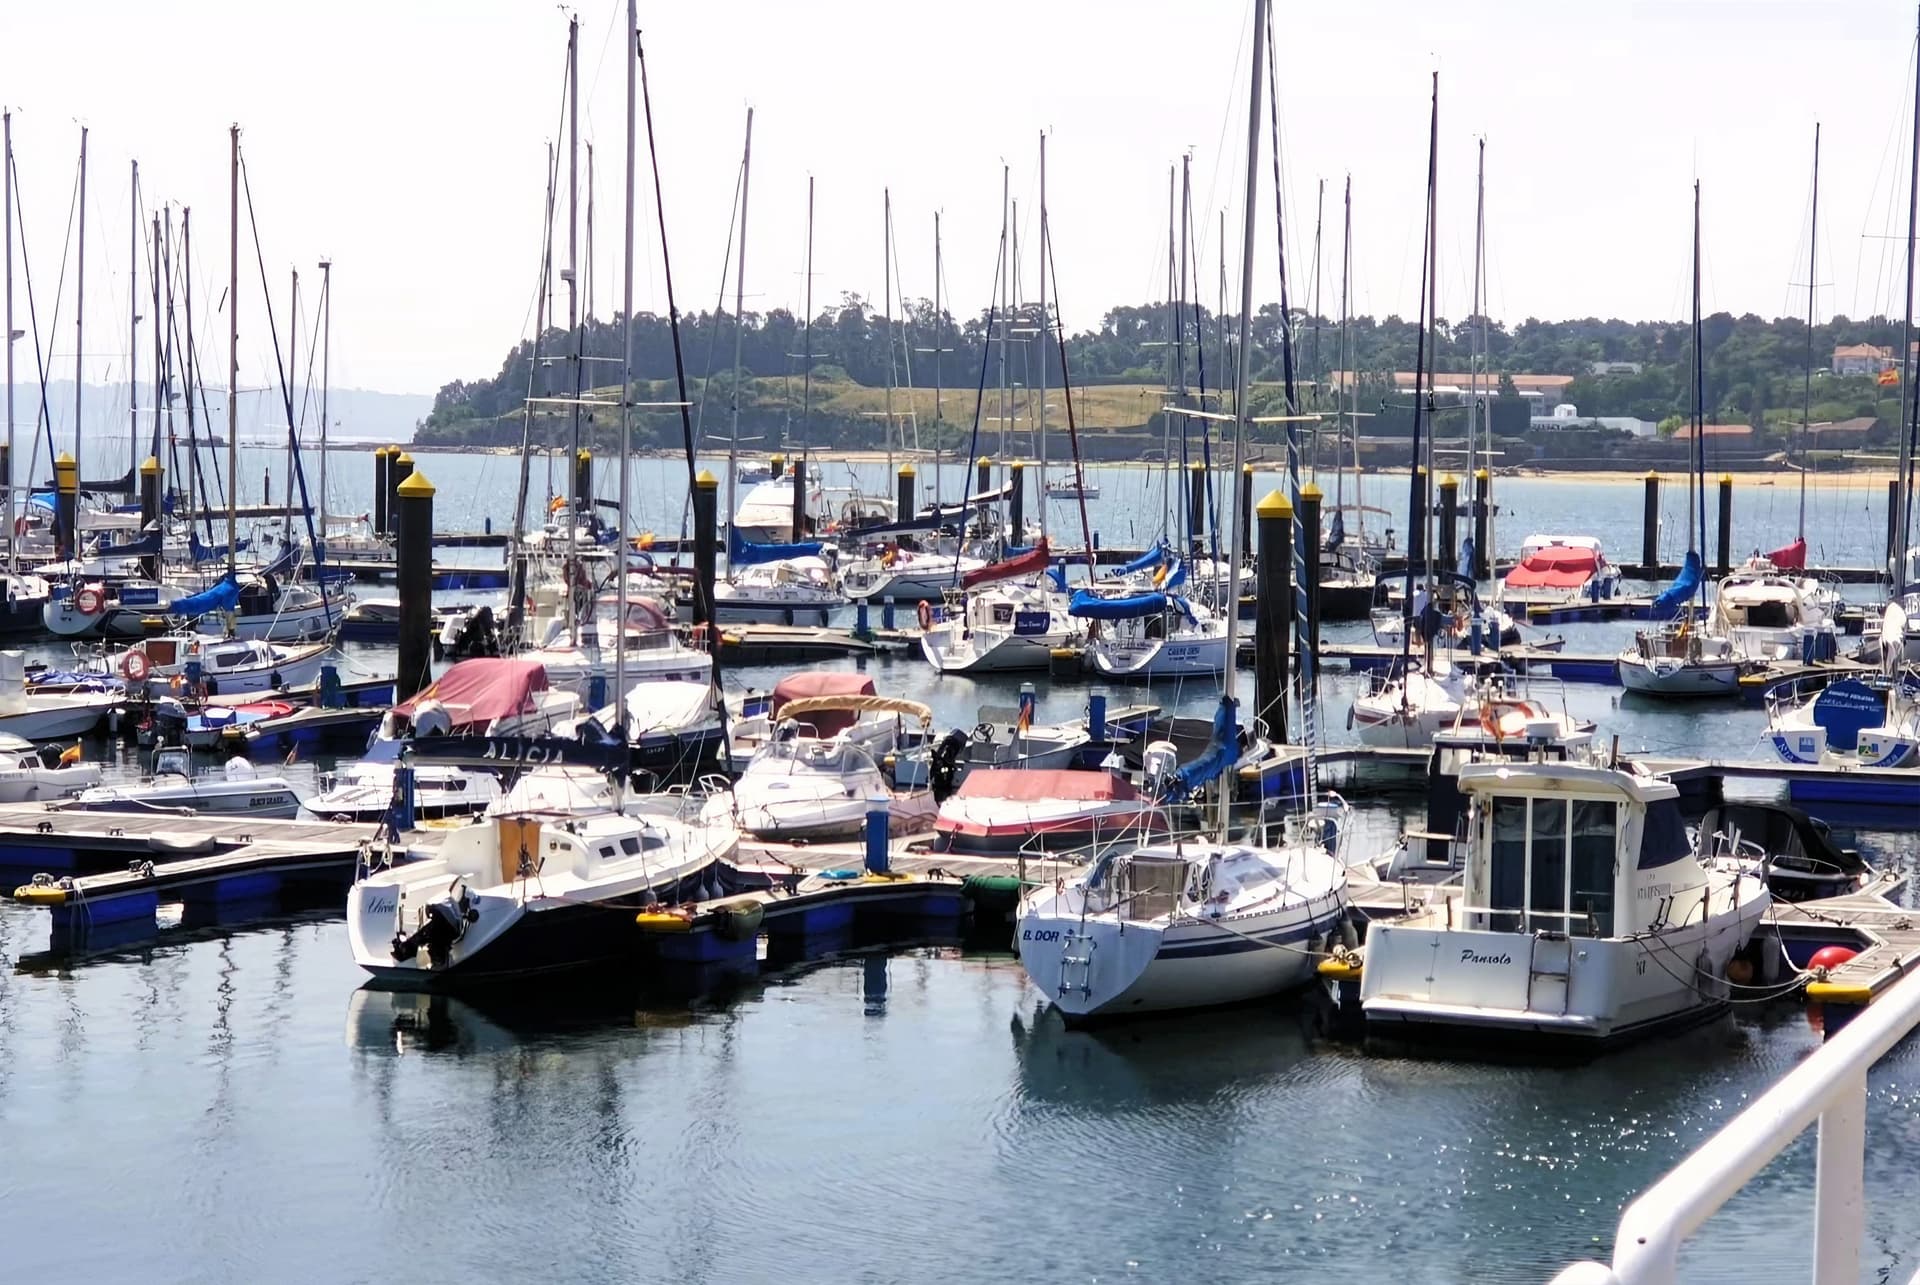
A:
[1088, 605]
[1674, 598]
[219, 598]
[1223, 749]
[1151, 558]
[742, 552]
[210, 552]
[145, 545]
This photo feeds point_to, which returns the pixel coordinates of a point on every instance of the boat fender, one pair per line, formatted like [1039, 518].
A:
[1828, 958]
[926, 615]
[134, 666]
[740, 920]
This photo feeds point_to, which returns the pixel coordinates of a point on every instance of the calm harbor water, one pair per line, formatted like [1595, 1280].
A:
[236, 1107]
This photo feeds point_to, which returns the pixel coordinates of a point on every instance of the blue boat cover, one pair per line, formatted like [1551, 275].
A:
[219, 598]
[1674, 598]
[742, 552]
[1088, 605]
[146, 544]
[1223, 749]
[1151, 558]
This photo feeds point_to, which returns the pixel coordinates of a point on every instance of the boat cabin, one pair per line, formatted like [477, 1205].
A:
[1577, 849]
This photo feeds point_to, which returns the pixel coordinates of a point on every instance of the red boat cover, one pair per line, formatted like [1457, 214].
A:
[1030, 563]
[475, 692]
[1025, 785]
[1557, 566]
[1791, 558]
[797, 686]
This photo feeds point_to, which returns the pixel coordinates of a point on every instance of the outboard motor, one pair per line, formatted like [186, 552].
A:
[945, 764]
[442, 925]
[1158, 765]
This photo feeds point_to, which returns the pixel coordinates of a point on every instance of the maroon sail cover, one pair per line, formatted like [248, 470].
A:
[1030, 563]
[1792, 557]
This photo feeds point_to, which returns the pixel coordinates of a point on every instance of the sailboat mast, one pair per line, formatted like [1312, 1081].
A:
[6, 483]
[1346, 360]
[233, 344]
[293, 373]
[133, 317]
[1476, 357]
[1697, 485]
[886, 306]
[192, 372]
[79, 335]
[626, 383]
[573, 308]
[739, 325]
[1353, 374]
[1251, 212]
[939, 326]
[806, 346]
[1911, 418]
[1813, 262]
[160, 363]
[1046, 328]
[326, 380]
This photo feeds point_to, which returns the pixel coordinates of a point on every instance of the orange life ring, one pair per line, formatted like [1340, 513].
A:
[134, 666]
[926, 614]
[90, 601]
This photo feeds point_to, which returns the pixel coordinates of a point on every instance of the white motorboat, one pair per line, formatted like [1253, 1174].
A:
[1004, 811]
[1000, 739]
[1770, 614]
[814, 781]
[654, 651]
[1004, 628]
[218, 666]
[1408, 708]
[1682, 659]
[1561, 569]
[906, 575]
[364, 790]
[789, 591]
[1847, 723]
[28, 775]
[52, 715]
[547, 879]
[1587, 916]
[765, 515]
[1181, 926]
[1067, 488]
[173, 787]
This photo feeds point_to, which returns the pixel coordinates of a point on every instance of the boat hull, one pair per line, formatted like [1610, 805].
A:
[1007, 653]
[1164, 658]
[1679, 678]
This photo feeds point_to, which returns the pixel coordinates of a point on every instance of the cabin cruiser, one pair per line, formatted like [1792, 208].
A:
[1186, 925]
[765, 512]
[814, 781]
[1000, 739]
[28, 714]
[1561, 569]
[364, 790]
[547, 878]
[1587, 916]
[218, 666]
[1006, 811]
[900, 574]
[653, 650]
[1850, 722]
[174, 787]
[1408, 705]
[758, 719]
[1770, 614]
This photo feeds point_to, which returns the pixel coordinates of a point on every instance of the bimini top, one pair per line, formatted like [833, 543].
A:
[1027, 785]
[475, 692]
[1557, 566]
[1565, 778]
[855, 705]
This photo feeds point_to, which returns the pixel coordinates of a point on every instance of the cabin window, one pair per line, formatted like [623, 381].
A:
[629, 844]
[1547, 882]
[1593, 844]
[1507, 877]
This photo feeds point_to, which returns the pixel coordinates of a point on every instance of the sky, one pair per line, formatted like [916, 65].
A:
[406, 142]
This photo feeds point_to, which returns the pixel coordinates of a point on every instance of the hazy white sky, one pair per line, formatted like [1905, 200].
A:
[406, 140]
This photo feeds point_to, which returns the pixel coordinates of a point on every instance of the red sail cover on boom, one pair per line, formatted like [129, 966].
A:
[1791, 558]
[1030, 563]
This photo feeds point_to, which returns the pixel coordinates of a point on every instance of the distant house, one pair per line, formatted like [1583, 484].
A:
[1845, 430]
[1685, 432]
[1613, 368]
[1861, 359]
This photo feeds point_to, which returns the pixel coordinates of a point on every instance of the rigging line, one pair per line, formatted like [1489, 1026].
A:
[33, 314]
[980, 392]
[1066, 390]
[719, 308]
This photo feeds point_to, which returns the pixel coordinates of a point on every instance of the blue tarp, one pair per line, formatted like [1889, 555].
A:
[1151, 558]
[742, 552]
[1223, 749]
[1674, 599]
[1336, 532]
[1088, 605]
[219, 598]
[210, 552]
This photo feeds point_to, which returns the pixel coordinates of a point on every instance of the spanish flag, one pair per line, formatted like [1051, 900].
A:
[1888, 377]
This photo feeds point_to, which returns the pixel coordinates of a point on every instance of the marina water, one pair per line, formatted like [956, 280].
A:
[234, 1106]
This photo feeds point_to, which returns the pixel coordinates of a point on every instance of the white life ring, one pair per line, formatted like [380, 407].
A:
[90, 601]
[134, 666]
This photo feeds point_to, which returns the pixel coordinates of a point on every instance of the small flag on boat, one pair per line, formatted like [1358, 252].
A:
[293, 753]
[1888, 377]
[70, 755]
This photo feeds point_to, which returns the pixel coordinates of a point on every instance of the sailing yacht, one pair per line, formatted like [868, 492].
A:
[1007, 616]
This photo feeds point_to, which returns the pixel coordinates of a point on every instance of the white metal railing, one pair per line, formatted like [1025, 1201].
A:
[1830, 1086]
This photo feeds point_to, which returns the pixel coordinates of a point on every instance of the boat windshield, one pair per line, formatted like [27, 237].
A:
[1551, 866]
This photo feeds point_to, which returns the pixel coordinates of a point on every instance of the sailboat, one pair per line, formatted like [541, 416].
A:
[1682, 658]
[1179, 925]
[1348, 568]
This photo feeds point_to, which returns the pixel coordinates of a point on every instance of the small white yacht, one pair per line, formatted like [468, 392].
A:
[1681, 659]
[1185, 925]
[174, 787]
[1408, 707]
[790, 591]
[1008, 616]
[224, 666]
[1771, 614]
[548, 878]
[1561, 569]
[364, 789]
[906, 575]
[29, 775]
[1586, 917]
[1152, 634]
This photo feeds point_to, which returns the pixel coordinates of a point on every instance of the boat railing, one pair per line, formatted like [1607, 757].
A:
[1829, 1088]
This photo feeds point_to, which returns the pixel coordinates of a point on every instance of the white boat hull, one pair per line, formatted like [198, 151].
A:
[267, 797]
[989, 651]
[56, 717]
[1160, 658]
[1677, 677]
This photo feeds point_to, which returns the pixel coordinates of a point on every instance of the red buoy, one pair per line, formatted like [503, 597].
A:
[1831, 957]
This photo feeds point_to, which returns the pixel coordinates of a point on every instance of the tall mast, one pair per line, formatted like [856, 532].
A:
[1813, 263]
[133, 318]
[1911, 417]
[160, 363]
[233, 342]
[626, 381]
[79, 337]
[1006, 406]
[1240, 372]
[573, 310]
[938, 326]
[806, 344]
[1045, 330]
[326, 368]
[1346, 361]
[1696, 456]
[6, 483]
[192, 373]
[739, 325]
[1475, 357]
[293, 373]
[886, 306]
[1319, 212]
